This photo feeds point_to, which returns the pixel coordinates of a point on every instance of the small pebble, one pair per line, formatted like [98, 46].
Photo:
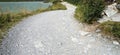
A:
[115, 42]
[98, 30]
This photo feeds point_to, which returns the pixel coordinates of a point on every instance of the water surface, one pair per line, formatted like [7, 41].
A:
[18, 6]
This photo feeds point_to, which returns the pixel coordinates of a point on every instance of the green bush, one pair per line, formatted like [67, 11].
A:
[89, 11]
[75, 2]
[53, 0]
[4, 18]
[110, 28]
[57, 6]
[118, 1]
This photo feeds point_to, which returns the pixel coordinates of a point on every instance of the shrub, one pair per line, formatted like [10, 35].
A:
[89, 11]
[110, 28]
[53, 0]
[75, 2]
[118, 1]
[5, 17]
[57, 6]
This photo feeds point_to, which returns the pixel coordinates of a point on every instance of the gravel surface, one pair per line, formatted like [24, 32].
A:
[55, 33]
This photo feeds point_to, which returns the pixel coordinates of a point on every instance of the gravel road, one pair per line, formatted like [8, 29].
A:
[55, 33]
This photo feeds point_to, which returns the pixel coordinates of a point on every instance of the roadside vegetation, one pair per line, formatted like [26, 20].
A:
[118, 1]
[110, 28]
[57, 6]
[118, 6]
[8, 19]
[74, 2]
[89, 11]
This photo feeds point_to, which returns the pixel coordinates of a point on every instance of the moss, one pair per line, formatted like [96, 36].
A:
[110, 28]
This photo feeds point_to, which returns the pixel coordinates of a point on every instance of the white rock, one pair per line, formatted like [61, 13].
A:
[115, 42]
[74, 39]
[83, 33]
[98, 30]
[89, 46]
[38, 44]
[111, 10]
[104, 54]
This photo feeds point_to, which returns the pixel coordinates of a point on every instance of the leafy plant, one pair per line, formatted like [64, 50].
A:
[89, 11]
[75, 2]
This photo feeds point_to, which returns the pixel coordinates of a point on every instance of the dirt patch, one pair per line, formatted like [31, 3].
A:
[90, 27]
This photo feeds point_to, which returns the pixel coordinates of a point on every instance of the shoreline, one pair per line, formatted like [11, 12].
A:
[12, 19]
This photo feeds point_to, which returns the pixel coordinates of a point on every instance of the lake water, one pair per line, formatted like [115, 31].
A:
[18, 6]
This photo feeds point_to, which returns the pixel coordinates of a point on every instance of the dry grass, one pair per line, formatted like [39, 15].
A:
[110, 28]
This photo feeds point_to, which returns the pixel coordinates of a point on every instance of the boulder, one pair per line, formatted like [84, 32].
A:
[111, 10]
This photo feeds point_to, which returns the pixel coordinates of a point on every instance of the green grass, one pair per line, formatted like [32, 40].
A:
[118, 1]
[7, 19]
[74, 2]
[57, 6]
[89, 11]
[110, 28]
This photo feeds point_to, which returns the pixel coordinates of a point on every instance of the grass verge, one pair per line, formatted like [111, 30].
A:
[7, 19]
[110, 28]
